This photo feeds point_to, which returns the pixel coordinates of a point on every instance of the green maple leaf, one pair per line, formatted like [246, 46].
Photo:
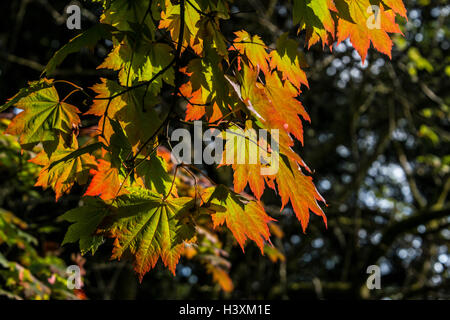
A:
[43, 117]
[148, 227]
[141, 62]
[33, 86]
[123, 14]
[154, 174]
[85, 220]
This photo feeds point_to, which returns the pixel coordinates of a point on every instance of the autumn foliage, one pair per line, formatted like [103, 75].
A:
[135, 194]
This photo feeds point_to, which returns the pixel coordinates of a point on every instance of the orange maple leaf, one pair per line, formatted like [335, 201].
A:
[299, 189]
[244, 218]
[364, 23]
[62, 175]
[254, 48]
[106, 182]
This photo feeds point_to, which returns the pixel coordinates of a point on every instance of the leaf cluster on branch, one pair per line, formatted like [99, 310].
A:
[171, 58]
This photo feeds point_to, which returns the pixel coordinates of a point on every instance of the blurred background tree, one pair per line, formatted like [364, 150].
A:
[378, 144]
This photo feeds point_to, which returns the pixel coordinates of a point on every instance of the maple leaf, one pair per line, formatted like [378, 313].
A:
[363, 24]
[126, 108]
[151, 222]
[108, 178]
[249, 158]
[197, 107]
[212, 37]
[62, 175]
[299, 189]
[105, 89]
[154, 174]
[106, 181]
[397, 6]
[292, 184]
[33, 86]
[275, 104]
[170, 20]
[85, 220]
[314, 16]
[283, 98]
[125, 15]
[244, 218]
[43, 117]
[141, 62]
[289, 61]
[146, 226]
[201, 25]
[362, 21]
[105, 108]
[207, 90]
[253, 47]
[119, 147]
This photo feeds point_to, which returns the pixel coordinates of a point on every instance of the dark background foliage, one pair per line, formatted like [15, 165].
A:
[378, 144]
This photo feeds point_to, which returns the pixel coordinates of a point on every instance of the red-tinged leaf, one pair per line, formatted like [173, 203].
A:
[251, 174]
[62, 176]
[360, 21]
[200, 30]
[274, 104]
[147, 227]
[397, 6]
[104, 108]
[283, 169]
[43, 117]
[275, 230]
[356, 19]
[253, 47]
[245, 219]
[106, 181]
[283, 98]
[197, 107]
[299, 189]
[292, 184]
